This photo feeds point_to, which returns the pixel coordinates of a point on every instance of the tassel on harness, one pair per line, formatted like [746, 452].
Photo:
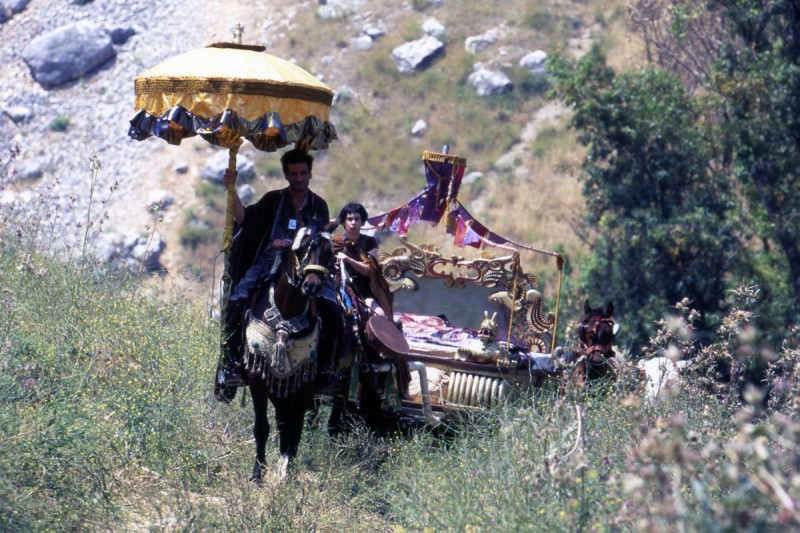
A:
[280, 353]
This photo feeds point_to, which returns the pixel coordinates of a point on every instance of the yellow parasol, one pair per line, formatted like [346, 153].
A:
[229, 92]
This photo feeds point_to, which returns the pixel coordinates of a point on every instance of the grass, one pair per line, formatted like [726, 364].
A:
[105, 389]
[108, 422]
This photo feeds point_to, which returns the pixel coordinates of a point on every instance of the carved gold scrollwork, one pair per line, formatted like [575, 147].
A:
[531, 326]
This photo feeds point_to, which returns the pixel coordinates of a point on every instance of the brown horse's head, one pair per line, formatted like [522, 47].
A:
[596, 332]
[312, 251]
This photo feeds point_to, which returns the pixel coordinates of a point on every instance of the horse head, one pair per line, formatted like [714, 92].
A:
[312, 251]
[596, 332]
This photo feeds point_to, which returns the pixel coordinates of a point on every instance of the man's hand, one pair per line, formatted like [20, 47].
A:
[229, 178]
[341, 256]
[280, 244]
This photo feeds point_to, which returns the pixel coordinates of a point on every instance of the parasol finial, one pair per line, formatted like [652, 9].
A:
[237, 33]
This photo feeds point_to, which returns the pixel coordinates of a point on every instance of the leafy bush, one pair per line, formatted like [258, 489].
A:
[60, 124]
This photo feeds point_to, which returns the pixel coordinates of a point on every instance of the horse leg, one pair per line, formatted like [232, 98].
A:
[614, 368]
[575, 382]
[290, 416]
[260, 428]
[335, 418]
[312, 421]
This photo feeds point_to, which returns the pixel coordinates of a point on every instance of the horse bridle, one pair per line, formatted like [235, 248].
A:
[302, 264]
[592, 347]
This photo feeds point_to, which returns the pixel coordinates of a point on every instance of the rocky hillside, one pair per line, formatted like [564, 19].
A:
[409, 76]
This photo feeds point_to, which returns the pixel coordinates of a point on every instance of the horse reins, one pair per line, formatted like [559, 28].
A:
[605, 350]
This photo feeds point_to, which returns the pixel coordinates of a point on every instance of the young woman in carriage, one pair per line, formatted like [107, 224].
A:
[364, 292]
[358, 253]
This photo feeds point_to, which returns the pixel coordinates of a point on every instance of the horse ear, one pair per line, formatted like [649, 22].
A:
[610, 308]
[586, 308]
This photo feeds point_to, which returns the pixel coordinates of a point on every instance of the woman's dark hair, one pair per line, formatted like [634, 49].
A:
[353, 207]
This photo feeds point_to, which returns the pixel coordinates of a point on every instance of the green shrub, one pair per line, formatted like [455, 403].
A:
[60, 124]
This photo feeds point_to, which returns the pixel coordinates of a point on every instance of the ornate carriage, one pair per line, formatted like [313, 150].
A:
[476, 327]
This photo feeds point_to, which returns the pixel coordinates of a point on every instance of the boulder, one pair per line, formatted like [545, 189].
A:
[108, 246]
[28, 171]
[148, 251]
[217, 164]
[343, 94]
[488, 82]
[419, 129]
[67, 53]
[246, 193]
[534, 62]
[472, 177]
[130, 250]
[15, 6]
[479, 43]
[374, 32]
[362, 43]
[338, 9]
[121, 34]
[433, 27]
[417, 55]
[18, 114]
[159, 199]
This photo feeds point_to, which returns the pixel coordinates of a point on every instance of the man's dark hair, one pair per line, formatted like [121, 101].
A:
[353, 208]
[296, 155]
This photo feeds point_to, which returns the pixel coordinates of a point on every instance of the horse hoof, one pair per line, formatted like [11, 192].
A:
[224, 394]
[285, 469]
[257, 476]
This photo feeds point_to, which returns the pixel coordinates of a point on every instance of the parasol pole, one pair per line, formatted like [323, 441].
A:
[233, 143]
[227, 236]
[227, 245]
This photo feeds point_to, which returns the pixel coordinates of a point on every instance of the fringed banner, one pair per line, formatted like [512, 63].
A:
[439, 199]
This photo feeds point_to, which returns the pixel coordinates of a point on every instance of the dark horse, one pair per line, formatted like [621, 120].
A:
[595, 357]
[282, 334]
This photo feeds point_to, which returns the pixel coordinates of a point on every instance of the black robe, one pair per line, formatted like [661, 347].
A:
[253, 235]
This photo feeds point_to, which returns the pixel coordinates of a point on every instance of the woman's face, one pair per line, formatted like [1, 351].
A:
[353, 223]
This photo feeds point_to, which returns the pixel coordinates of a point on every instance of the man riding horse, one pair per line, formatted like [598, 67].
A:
[264, 232]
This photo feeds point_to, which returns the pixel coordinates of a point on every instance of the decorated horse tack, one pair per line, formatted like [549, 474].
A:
[595, 358]
[284, 349]
[282, 336]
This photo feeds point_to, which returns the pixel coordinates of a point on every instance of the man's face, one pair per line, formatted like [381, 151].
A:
[298, 177]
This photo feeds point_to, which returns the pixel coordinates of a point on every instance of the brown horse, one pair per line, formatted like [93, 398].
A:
[282, 332]
[595, 358]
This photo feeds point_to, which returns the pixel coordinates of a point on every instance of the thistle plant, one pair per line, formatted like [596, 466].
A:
[92, 224]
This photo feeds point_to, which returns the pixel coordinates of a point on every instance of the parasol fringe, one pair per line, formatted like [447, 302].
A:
[267, 133]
